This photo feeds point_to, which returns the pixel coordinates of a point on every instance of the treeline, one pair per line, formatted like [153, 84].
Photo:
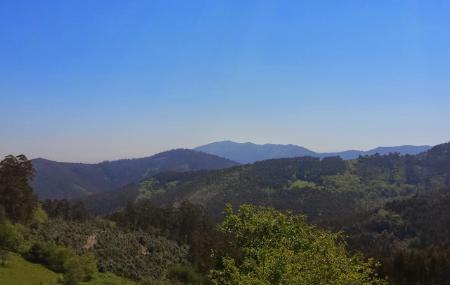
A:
[418, 266]
[66, 210]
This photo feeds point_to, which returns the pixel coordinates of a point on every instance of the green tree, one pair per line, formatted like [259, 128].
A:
[79, 268]
[12, 237]
[76, 268]
[279, 248]
[16, 195]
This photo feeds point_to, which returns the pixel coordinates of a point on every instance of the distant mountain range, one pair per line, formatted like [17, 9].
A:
[58, 180]
[315, 187]
[250, 152]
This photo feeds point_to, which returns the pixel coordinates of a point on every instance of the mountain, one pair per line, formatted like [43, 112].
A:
[58, 180]
[323, 189]
[403, 150]
[250, 152]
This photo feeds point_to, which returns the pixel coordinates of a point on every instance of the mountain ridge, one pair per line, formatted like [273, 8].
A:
[250, 152]
[299, 183]
[72, 180]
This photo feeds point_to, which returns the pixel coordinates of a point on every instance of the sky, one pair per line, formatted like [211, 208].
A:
[87, 81]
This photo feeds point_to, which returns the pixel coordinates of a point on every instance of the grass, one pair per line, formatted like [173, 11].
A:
[18, 271]
[300, 184]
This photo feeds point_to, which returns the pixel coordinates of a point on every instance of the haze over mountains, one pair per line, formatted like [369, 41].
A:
[57, 180]
[249, 152]
[73, 180]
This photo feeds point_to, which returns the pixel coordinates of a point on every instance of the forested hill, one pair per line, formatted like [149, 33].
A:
[317, 187]
[56, 180]
[250, 152]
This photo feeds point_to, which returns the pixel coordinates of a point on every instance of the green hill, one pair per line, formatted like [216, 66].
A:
[19, 271]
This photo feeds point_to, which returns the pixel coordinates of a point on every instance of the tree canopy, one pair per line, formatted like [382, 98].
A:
[281, 248]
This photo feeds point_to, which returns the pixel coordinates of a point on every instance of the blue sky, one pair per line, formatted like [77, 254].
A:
[95, 80]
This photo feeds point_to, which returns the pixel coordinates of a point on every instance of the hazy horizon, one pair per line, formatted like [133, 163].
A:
[241, 142]
[87, 82]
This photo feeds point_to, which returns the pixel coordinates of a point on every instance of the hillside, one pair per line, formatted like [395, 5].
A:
[250, 152]
[316, 187]
[57, 180]
[122, 252]
[19, 271]
[392, 208]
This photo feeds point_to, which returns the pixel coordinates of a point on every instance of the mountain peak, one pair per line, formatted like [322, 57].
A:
[249, 152]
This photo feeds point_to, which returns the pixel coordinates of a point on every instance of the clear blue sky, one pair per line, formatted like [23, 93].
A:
[95, 80]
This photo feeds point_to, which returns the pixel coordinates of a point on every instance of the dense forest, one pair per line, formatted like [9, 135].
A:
[378, 219]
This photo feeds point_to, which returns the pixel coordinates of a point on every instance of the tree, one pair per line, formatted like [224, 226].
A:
[66, 210]
[332, 165]
[16, 195]
[279, 248]
[12, 237]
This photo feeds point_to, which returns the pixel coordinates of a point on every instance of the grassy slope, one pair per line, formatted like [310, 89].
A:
[18, 271]
[22, 272]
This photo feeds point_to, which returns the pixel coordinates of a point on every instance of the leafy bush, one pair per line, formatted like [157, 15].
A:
[64, 260]
[185, 274]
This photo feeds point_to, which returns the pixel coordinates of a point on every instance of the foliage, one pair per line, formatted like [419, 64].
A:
[278, 248]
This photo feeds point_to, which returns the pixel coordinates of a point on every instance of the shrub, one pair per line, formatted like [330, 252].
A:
[12, 237]
[76, 268]
[185, 274]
